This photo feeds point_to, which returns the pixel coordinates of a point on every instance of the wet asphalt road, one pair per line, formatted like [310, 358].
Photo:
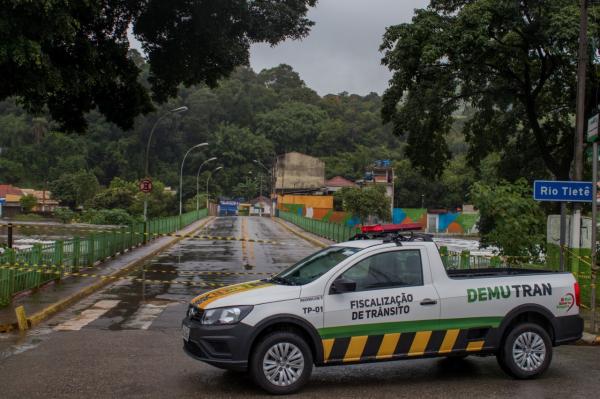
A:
[125, 341]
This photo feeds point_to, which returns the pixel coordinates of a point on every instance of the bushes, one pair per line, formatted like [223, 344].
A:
[107, 216]
[64, 214]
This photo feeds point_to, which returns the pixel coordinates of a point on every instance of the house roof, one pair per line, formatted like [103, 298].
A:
[339, 181]
[9, 189]
[261, 198]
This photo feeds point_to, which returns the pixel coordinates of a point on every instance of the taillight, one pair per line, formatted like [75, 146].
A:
[577, 294]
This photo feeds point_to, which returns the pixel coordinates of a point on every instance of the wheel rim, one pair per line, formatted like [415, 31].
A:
[283, 364]
[529, 351]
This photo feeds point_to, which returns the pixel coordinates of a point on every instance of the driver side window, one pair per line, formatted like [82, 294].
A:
[386, 270]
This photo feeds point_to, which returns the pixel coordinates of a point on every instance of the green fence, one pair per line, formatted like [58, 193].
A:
[71, 255]
[333, 231]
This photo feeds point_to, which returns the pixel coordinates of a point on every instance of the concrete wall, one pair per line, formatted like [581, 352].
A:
[295, 171]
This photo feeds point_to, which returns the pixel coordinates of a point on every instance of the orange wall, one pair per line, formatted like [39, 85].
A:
[309, 201]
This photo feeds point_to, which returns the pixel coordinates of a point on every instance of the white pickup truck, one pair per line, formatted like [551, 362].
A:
[375, 300]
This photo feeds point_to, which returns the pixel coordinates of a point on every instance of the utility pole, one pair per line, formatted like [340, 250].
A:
[579, 126]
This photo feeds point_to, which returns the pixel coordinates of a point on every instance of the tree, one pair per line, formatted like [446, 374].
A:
[28, 202]
[119, 194]
[73, 57]
[509, 218]
[65, 215]
[366, 202]
[293, 126]
[513, 63]
[74, 189]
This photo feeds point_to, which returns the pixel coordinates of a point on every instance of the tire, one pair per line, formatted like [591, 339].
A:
[292, 375]
[526, 352]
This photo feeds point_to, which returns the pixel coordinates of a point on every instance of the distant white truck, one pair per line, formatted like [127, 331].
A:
[372, 300]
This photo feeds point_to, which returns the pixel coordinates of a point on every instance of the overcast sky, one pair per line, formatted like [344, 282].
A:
[342, 51]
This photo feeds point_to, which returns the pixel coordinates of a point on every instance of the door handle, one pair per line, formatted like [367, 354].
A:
[428, 301]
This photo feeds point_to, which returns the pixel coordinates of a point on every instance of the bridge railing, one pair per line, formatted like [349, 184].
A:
[333, 231]
[26, 269]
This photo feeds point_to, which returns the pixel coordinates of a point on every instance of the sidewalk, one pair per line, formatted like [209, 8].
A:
[311, 238]
[54, 297]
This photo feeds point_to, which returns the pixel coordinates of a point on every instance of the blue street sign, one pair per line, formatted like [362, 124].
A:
[562, 191]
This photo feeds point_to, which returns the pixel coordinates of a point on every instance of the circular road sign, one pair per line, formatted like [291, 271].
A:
[146, 185]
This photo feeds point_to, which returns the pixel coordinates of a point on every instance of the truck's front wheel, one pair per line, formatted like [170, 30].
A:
[281, 363]
[526, 352]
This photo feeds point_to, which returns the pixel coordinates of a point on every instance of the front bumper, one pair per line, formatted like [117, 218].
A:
[225, 346]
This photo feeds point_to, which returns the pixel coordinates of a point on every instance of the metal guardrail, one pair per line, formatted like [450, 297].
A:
[80, 252]
[333, 231]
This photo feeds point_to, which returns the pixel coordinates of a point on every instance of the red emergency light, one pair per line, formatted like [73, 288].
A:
[390, 228]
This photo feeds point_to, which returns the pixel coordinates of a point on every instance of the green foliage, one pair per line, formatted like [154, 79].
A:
[73, 57]
[293, 126]
[366, 202]
[511, 64]
[199, 201]
[413, 189]
[248, 116]
[107, 216]
[27, 202]
[119, 194]
[64, 214]
[509, 218]
[125, 195]
[74, 189]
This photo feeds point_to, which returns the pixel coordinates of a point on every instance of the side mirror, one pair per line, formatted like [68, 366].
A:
[342, 285]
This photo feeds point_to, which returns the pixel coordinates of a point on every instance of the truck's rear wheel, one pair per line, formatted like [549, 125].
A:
[281, 363]
[526, 351]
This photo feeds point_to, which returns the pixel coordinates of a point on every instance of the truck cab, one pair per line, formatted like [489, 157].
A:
[372, 300]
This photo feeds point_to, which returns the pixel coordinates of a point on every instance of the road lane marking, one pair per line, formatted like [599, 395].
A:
[142, 319]
[87, 316]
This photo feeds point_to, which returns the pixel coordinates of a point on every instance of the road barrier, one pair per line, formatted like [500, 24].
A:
[332, 231]
[80, 252]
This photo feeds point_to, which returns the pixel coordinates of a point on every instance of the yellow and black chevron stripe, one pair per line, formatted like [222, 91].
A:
[365, 348]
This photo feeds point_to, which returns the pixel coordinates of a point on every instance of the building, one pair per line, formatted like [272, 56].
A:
[261, 206]
[299, 173]
[10, 200]
[45, 203]
[10, 204]
[337, 183]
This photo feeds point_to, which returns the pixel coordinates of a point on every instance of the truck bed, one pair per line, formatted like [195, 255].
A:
[495, 272]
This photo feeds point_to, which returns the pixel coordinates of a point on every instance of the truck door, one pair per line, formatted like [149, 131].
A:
[383, 306]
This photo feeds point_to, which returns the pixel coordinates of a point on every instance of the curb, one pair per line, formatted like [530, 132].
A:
[56, 307]
[312, 240]
[589, 340]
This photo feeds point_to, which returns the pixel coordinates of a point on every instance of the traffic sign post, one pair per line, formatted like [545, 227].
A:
[146, 185]
[562, 191]
[592, 130]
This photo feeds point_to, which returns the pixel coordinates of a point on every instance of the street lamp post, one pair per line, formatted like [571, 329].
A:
[173, 111]
[270, 172]
[181, 179]
[208, 179]
[198, 182]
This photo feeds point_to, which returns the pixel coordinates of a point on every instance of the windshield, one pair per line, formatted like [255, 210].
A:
[314, 266]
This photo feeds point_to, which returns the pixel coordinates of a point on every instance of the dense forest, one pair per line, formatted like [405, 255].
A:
[247, 116]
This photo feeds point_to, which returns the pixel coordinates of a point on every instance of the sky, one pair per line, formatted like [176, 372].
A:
[342, 51]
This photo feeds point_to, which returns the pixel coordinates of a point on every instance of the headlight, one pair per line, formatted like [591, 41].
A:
[229, 315]
[192, 311]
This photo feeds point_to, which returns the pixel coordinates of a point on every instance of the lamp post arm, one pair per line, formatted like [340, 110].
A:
[163, 116]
